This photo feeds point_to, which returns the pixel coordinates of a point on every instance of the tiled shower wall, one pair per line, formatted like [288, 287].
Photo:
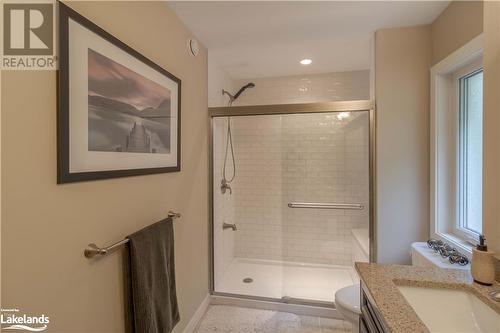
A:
[312, 88]
[223, 204]
[299, 158]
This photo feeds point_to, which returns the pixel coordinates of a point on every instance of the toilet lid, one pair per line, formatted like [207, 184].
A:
[349, 298]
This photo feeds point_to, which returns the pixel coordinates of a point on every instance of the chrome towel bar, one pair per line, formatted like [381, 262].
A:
[319, 205]
[93, 250]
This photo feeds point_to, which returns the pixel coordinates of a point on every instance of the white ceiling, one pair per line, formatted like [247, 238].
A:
[265, 39]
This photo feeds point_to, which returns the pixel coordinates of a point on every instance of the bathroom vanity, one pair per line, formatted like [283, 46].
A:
[401, 299]
[370, 320]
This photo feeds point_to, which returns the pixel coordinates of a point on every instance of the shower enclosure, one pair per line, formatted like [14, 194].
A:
[301, 183]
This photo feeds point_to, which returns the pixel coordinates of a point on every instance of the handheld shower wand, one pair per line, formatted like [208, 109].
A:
[232, 97]
[224, 186]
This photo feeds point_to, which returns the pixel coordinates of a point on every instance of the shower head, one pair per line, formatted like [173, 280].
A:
[242, 89]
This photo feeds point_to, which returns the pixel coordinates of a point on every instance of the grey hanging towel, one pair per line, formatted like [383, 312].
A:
[151, 303]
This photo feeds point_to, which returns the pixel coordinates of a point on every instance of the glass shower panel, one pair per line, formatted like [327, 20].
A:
[325, 158]
[284, 161]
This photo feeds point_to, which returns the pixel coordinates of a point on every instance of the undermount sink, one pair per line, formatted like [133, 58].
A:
[450, 310]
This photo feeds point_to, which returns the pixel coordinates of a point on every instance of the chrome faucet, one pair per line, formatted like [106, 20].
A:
[229, 226]
[224, 185]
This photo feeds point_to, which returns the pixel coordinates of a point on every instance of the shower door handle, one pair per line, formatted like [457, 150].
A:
[319, 205]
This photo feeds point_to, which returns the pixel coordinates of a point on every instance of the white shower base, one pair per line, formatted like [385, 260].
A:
[276, 279]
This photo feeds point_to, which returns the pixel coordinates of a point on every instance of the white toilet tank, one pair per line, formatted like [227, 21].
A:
[422, 255]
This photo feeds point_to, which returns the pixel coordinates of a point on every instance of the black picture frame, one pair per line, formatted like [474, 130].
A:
[63, 113]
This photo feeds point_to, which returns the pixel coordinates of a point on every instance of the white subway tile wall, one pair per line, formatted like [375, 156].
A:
[313, 88]
[223, 204]
[301, 158]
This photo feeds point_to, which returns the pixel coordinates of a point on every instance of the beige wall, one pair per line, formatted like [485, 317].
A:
[491, 159]
[458, 23]
[403, 57]
[402, 61]
[218, 79]
[45, 226]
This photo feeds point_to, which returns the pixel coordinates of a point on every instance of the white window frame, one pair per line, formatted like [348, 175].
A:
[458, 228]
[444, 123]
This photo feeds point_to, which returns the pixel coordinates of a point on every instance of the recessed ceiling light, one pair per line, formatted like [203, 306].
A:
[306, 62]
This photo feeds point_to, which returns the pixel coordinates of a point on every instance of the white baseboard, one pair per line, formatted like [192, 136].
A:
[195, 319]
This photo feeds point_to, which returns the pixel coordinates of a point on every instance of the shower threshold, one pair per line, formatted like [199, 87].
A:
[307, 309]
[294, 300]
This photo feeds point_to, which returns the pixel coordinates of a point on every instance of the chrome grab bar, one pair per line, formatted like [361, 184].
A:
[93, 250]
[319, 205]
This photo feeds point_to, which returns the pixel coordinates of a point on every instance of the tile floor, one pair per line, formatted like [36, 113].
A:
[232, 319]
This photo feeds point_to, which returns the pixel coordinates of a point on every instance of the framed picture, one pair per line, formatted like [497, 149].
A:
[119, 113]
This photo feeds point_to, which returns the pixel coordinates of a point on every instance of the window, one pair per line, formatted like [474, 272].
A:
[457, 147]
[469, 222]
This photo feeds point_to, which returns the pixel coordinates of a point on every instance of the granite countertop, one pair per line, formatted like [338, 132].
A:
[381, 281]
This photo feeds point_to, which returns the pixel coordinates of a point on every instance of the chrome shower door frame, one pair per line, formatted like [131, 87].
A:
[284, 109]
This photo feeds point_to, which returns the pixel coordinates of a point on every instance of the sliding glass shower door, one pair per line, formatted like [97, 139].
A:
[285, 209]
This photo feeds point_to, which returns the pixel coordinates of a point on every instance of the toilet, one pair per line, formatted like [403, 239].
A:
[347, 299]
[347, 303]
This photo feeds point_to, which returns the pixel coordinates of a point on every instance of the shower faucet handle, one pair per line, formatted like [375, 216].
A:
[224, 186]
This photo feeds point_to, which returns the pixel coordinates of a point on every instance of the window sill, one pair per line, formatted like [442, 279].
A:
[460, 244]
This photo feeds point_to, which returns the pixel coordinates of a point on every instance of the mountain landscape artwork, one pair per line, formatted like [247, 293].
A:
[127, 112]
[119, 112]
